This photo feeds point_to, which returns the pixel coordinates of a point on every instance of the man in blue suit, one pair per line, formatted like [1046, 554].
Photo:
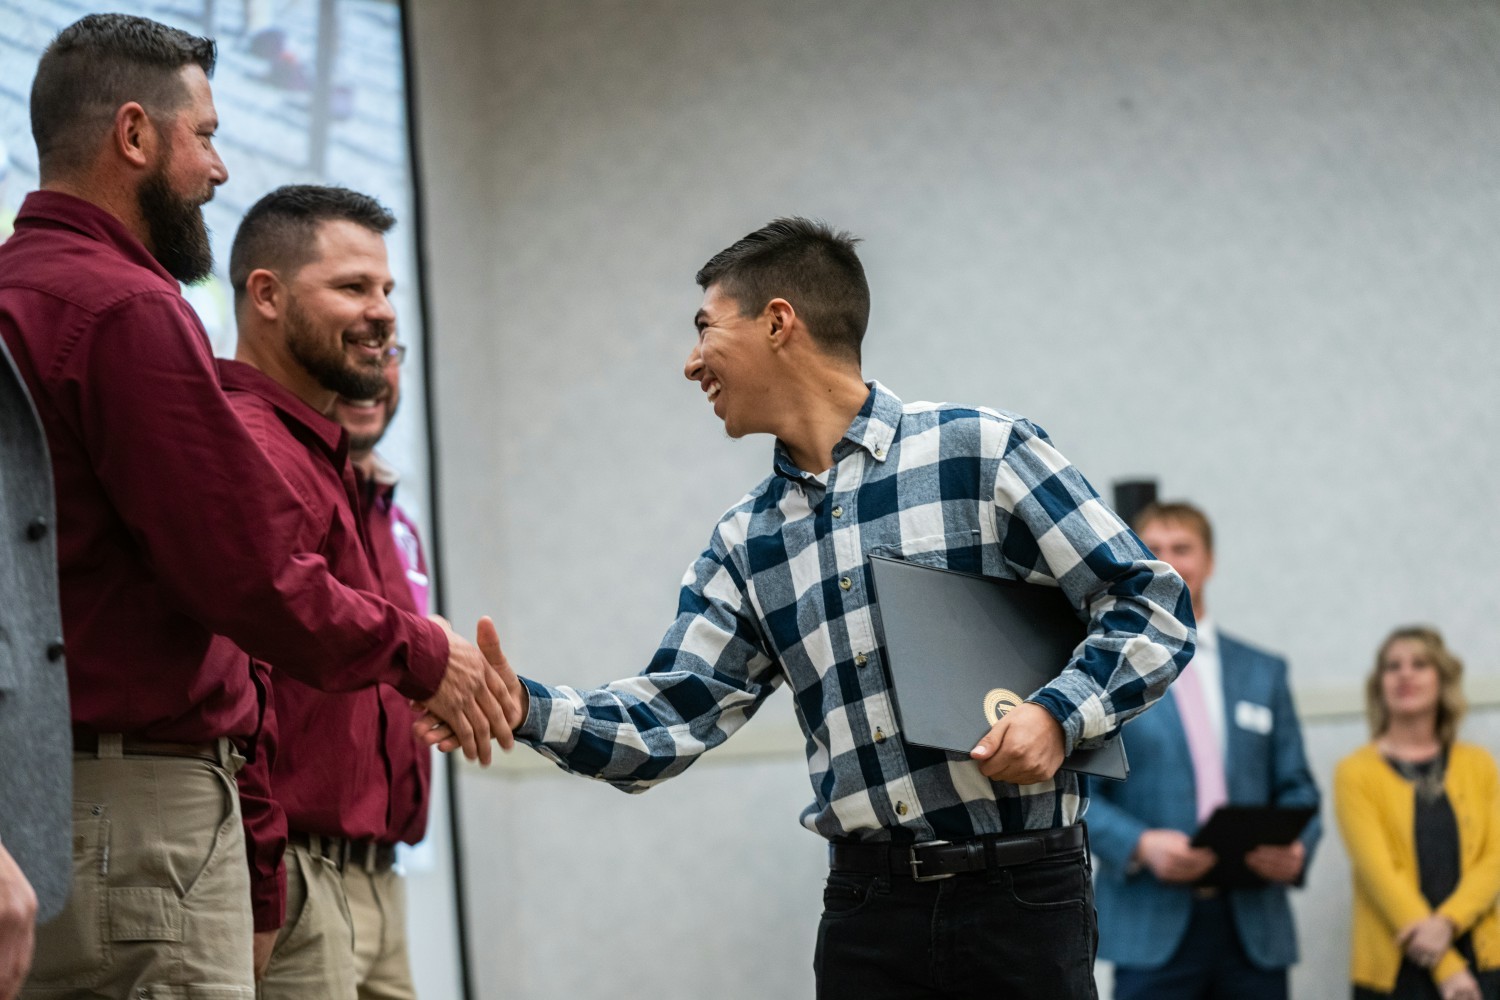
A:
[1228, 734]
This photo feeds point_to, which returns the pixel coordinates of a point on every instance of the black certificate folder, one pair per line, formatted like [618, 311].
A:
[962, 650]
[1234, 831]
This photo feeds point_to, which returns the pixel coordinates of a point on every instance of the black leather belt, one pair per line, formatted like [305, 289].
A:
[943, 859]
[372, 856]
[86, 742]
[368, 855]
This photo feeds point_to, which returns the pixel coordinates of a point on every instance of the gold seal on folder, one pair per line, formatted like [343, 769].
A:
[998, 702]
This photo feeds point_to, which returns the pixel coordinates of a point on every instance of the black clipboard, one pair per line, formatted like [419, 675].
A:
[953, 640]
[1233, 831]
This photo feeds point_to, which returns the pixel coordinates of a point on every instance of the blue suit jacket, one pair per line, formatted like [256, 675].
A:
[1142, 920]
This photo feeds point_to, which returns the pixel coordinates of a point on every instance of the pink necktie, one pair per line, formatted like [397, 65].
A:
[1208, 761]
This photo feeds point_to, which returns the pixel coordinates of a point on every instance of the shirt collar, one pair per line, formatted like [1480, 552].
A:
[42, 208]
[1208, 635]
[382, 481]
[873, 429]
[247, 378]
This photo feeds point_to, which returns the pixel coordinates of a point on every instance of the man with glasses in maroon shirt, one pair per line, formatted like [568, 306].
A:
[373, 884]
[172, 526]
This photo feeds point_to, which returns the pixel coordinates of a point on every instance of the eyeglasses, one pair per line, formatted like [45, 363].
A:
[395, 354]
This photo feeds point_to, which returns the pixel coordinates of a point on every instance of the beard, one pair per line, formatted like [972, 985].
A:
[175, 226]
[327, 362]
[366, 442]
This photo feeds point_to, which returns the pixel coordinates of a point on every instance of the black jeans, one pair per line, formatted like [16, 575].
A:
[1022, 932]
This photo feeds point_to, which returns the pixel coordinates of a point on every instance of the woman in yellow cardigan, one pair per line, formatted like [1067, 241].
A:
[1420, 815]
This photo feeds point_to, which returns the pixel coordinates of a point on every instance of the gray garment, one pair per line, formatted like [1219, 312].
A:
[36, 742]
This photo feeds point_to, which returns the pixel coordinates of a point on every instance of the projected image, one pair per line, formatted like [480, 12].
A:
[308, 91]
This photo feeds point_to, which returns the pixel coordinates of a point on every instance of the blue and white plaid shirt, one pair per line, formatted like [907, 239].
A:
[782, 594]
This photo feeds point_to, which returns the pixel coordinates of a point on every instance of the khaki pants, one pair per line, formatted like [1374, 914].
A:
[377, 902]
[314, 954]
[160, 906]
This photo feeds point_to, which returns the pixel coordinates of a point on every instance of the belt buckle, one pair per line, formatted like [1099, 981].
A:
[913, 862]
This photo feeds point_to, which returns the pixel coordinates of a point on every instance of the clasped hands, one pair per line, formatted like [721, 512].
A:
[479, 698]
[1425, 942]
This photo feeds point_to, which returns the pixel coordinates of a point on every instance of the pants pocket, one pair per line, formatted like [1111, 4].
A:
[845, 895]
[1051, 884]
[213, 858]
[72, 949]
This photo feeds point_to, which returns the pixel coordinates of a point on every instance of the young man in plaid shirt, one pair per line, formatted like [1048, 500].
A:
[1003, 905]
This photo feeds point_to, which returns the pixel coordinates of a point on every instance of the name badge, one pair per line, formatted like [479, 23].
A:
[1253, 717]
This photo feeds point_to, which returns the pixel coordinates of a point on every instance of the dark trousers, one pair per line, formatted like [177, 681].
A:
[1021, 932]
[1210, 964]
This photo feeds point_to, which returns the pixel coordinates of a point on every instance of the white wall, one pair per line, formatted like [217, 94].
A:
[1243, 248]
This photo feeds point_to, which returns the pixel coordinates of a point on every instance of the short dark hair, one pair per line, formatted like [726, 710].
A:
[280, 231]
[98, 63]
[806, 262]
[1177, 512]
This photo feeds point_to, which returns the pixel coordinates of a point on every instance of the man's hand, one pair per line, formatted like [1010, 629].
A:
[468, 699]
[1024, 747]
[1171, 856]
[1425, 941]
[265, 943]
[507, 687]
[1460, 986]
[17, 925]
[1278, 862]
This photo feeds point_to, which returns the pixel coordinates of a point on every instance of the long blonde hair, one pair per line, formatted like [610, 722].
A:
[1451, 701]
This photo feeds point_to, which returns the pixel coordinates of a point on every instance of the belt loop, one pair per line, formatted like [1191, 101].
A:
[315, 845]
[371, 858]
[111, 746]
[229, 756]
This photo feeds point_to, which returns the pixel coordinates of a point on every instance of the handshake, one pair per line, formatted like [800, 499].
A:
[479, 699]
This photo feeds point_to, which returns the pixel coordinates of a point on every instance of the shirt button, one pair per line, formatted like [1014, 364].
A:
[880, 453]
[860, 659]
[902, 809]
[37, 529]
[845, 582]
[879, 735]
[838, 512]
[55, 650]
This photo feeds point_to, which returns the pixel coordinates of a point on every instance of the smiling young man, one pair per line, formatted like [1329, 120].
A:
[312, 303]
[782, 596]
[171, 527]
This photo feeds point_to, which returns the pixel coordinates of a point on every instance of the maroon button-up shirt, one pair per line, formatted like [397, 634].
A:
[330, 767]
[411, 760]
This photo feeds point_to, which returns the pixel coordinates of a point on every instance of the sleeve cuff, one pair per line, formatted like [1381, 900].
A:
[426, 663]
[268, 900]
[533, 729]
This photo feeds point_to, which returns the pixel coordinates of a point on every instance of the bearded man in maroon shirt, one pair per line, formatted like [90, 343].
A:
[311, 286]
[172, 527]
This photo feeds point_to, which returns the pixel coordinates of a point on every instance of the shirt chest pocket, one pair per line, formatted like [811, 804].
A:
[963, 551]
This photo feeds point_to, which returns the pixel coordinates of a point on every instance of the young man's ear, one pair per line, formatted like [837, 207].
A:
[783, 317]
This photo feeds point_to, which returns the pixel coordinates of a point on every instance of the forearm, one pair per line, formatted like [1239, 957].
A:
[633, 733]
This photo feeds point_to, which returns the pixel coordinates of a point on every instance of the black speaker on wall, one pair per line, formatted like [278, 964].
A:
[1132, 496]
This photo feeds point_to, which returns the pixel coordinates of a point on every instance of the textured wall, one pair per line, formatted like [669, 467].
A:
[1239, 247]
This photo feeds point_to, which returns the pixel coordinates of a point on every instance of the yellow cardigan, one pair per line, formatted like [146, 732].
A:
[1377, 816]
